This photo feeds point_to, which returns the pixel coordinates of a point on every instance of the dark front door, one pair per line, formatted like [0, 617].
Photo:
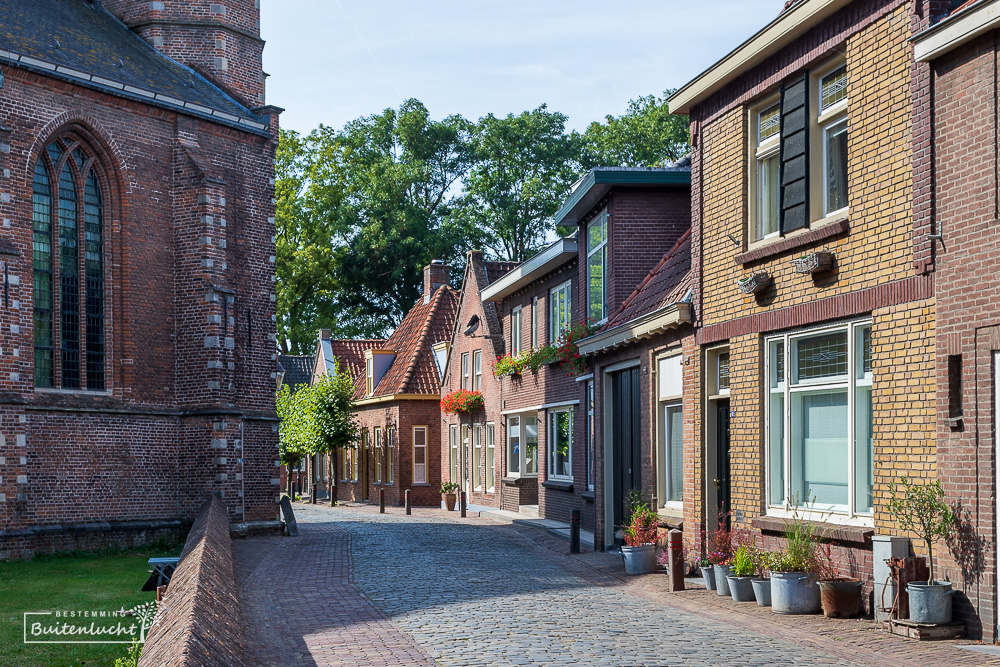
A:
[625, 451]
[722, 457]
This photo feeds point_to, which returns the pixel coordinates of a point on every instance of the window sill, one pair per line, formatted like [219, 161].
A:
[511, 481]
[589, 496]
[419, 484]
[798, 239]
[559, 484]
[823, 529]
[671, 517]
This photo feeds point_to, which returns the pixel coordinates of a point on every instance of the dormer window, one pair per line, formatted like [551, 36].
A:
[370, 376]
[377, 362]
[597, 264]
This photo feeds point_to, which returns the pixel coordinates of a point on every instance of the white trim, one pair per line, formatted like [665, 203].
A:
[621, 365]
[584, 378]
[957, 30]
[515, 411]
[559, 404]
[426, 448]
[561, 252]
[550, 422]
[670, 317]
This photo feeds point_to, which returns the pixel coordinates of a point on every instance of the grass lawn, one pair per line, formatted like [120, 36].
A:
[106, 580]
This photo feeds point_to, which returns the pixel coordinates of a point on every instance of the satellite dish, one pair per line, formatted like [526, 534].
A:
[473, 326]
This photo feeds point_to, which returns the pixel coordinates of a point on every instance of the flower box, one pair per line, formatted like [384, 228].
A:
[755, 283]
[814, 262]
[462, 402]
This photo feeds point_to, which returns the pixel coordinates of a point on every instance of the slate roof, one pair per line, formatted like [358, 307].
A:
[414, 371]
[82, 42]
[666, 284]
[298, 368]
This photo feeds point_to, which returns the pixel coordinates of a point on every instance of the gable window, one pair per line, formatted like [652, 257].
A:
[561, 444]
[597, 260]
[534, 322]
[832, 121]
[465, 370]
[515, 331]
[819, 420]
[477, 370]
[68, 269]
[419, 454]
[560, 310]
[767, 172]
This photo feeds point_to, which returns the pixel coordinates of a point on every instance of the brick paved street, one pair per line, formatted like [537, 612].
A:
[359, 588]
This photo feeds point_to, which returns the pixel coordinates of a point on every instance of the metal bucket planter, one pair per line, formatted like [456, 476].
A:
[762, 591]
[930, 603]
[722, 573]
[794, 593]
[708, 574]
[841, 598]
[639, 560]
[741, 588]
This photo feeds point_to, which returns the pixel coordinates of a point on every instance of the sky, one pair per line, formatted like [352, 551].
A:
[331, 61]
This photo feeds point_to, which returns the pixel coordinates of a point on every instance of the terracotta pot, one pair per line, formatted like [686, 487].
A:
[449, 501]
[841, 597]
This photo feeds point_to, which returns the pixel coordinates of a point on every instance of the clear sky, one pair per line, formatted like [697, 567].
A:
[331, 61]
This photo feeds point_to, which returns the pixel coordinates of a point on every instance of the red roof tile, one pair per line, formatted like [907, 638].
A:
[351, 353]
[667, 283]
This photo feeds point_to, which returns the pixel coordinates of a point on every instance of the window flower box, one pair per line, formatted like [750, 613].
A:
[462, 402]
[814, 262]
[755, 283]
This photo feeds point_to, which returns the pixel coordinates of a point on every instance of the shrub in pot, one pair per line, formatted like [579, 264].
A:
[743, 570]
[707, 572]
[793, 572]
[840, 597]
[450, 492]
[639, 551]
[761, 581]
[920, 508]
[720, 552]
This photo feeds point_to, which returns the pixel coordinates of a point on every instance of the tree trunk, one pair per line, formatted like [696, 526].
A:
[930, 563]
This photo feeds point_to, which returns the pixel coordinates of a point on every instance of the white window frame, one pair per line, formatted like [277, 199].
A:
[453, 454]
[591, 432]
[356, 456]
[562, 293]
[668, 400]
[516, 333]
[477, 370]
[369, 376]
[489, 434]
[761, 150]
[390, 449]
[534, 322]
[378, 454]
[550, 444]
[786, 389]
[717, 369]
[466, 378]
[420, 469]
[602, 247]
[508, 452]
[477, 457]
[822, 121]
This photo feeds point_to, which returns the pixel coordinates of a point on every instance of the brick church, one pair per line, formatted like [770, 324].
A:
[137, 332]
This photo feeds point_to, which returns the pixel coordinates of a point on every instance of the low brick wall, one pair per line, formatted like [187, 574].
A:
[199, 618]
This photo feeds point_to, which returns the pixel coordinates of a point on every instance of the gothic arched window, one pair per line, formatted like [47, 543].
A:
[68, 255]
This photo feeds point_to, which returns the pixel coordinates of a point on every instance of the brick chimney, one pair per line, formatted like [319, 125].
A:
[435, 275]
[218, 38]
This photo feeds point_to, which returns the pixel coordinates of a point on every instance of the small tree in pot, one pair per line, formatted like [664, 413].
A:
[450, 492]
[639, 534]
[921, 509]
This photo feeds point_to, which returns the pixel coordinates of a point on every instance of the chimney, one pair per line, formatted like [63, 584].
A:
[435, 275]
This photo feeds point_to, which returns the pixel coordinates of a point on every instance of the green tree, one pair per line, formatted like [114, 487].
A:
[335, 421]
[522, 168]
[646, 135]
[297, 429]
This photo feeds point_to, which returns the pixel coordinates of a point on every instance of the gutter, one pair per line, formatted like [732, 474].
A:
[956, 30]
[669, 317]
[397, 397]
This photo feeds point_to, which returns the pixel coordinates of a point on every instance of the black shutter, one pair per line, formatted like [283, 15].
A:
[794, 194]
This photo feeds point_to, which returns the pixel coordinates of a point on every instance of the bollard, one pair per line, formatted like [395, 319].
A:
[381, 501]
[407, 495]
[461, 499]
[574, 531]
[675, 548]
[312, 494]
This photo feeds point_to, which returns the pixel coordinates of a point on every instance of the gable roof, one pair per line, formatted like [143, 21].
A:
[349, 353]
[413, 370]
[82, 42]
[298, 368]
[590, 189]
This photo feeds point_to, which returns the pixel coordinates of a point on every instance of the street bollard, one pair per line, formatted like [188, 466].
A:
[381, 501]
[675, 548]
[312, 495]
[407, 495]
[461, 499]
[574, 531]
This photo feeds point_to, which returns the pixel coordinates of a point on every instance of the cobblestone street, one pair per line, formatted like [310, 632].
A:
[359, 588]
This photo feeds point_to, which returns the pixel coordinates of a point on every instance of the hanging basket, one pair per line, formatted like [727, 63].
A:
[814, 262]
[755, 283]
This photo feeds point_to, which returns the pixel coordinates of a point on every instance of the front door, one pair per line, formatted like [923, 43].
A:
[722, 486]
[626, 473]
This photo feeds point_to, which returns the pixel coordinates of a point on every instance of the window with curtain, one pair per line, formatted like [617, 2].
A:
[68, 208]
[419, 454]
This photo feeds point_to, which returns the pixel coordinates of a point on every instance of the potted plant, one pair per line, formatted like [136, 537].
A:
[509, 366]
[740, 581]
[462, 402]
[450, 492]
[813, 262]
[720, 553]
[920, 508]
[639, 550]
[755, 283]
[707, 572]
[840, 597]
[762, 582]
[793, 572]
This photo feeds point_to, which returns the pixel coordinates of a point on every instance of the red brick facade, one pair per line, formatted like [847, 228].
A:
[188, 322]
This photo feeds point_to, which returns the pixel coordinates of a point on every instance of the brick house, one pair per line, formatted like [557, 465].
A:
[955, 122]
[819, 387]
[295, 370]
[398, 394]
[138, 334]
[469, 453]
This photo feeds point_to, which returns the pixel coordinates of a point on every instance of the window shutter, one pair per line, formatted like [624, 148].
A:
[794, 209]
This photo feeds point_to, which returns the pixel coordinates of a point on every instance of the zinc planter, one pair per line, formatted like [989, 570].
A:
[794, 593]
[722, 573]
[762, 591]
[708, 574]
[741, 588]
[930, 603]
[841, 598]
[639, 560]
